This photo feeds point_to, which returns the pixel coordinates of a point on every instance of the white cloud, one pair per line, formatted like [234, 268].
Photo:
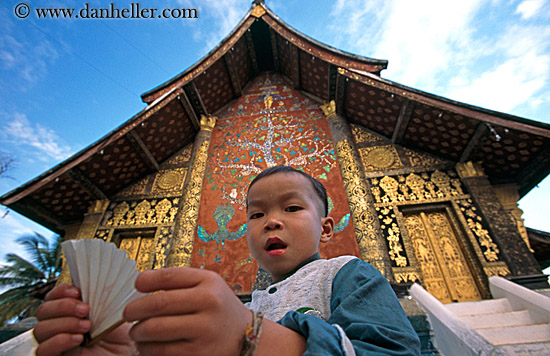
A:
[17, 130]
[225, 13]
[29, 55]
[520, 77]
[529, 8]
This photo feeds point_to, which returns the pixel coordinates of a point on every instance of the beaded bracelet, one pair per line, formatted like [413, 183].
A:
[252, 334]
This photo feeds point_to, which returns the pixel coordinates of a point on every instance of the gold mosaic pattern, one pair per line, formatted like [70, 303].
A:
[182, 247]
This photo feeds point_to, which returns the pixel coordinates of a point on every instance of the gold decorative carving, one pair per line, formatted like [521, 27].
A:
[392, 192]
[208, 122]
[499, 270]
[145, 212]
[420, 159]
[329, 109]
[405, 276]
[140, 248]
[138, 188]
[361, 135]
[164, 233]
[380, 158]
[469, 169]
[444, 268]
[170, 181]
[182, 247]
[360, 207]
[258, 11]
[183, 156]
[474, 222]
[414, 187]
[491, 249]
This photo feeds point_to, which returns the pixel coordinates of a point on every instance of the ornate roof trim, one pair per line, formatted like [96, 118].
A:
[300, 40]
[482, 114]
[73, 161]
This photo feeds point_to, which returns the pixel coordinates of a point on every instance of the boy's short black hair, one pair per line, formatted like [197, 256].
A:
[318, 187]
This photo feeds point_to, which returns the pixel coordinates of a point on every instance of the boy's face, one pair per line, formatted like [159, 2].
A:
[285, 223]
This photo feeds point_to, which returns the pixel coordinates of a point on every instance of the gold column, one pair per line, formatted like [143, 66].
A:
[367, 230]
[186, 221]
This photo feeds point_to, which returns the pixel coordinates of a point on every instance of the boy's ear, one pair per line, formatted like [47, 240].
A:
[327, 228]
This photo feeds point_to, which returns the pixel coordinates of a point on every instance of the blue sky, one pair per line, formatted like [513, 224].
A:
[65, 83]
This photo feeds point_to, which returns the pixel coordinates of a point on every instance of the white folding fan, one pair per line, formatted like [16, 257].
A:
[105, 276]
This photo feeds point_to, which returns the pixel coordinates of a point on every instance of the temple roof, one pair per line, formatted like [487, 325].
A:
[512, 150]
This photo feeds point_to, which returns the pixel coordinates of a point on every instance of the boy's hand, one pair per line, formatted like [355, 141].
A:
[62, 325]
[193, 312]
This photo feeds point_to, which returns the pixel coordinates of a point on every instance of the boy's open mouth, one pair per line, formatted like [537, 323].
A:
[275, 246]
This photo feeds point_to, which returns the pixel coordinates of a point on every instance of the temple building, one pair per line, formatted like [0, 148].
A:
[422, 187]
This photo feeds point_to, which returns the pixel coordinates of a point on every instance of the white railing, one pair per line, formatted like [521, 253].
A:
[453, 337]
[21, 345]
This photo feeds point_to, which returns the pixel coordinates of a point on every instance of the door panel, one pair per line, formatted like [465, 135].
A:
[445, 271]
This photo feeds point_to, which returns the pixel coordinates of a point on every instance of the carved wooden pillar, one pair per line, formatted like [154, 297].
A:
[188, 212]
[361, 205]
[525, 269]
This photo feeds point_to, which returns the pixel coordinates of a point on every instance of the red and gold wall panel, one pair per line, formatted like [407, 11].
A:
[271, 124]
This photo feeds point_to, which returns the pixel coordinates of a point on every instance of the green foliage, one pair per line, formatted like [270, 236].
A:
[28, 277]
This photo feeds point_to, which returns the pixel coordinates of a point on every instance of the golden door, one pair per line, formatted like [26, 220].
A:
[139, 247]
[446, 273]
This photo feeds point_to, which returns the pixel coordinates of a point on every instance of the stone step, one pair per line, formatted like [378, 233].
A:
[490, 306]
[515, 318]
[517, 334]
[531, 349]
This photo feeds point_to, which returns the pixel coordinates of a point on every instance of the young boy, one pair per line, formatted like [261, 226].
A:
[341, 306]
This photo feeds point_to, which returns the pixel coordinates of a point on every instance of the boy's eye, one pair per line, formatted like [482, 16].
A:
[256, 215]
[292, 209]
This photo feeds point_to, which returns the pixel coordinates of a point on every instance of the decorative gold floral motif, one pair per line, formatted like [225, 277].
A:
[182, 246]
[183, 156]
[499, 270]
[422, 187]
[169, 182]
[474, 222]
[403, 277]
[380, 158]
[360, 207]
[421, 159]
[163, 235]
[361, 135]
[137, 188]
[445, 271]
[145, 212]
